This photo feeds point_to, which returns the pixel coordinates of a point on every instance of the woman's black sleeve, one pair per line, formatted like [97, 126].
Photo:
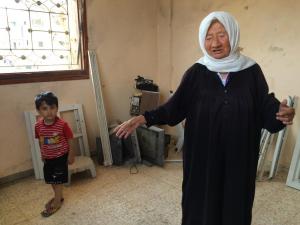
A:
[268, 104]
[175, 109]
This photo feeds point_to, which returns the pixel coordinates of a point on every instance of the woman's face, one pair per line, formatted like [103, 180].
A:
[217, 41]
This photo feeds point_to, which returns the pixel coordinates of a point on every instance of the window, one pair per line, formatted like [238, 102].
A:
[43, 40]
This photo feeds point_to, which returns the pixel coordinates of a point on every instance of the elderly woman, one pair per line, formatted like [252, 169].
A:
[225, 101]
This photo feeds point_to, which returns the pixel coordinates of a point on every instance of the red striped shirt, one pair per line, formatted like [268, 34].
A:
[53, 138]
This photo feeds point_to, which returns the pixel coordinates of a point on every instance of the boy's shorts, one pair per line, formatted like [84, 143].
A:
[56, 170]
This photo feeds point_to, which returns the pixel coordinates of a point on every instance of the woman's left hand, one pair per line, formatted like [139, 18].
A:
[285, 114]
[126, 128]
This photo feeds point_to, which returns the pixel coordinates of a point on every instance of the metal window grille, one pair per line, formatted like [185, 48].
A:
[39, 36]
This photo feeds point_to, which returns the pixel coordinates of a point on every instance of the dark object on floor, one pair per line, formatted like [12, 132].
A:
[135, 102]
[144, 101]
[99, 151]
[149, 101]
[116, 146]
[152, 144]
[145, 84]
[167, 142]
[123, 150]
[131, 149]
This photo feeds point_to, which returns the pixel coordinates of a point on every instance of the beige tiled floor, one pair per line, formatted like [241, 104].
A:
[116, 197]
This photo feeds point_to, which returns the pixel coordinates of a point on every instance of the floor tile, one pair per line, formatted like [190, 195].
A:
[117, 197]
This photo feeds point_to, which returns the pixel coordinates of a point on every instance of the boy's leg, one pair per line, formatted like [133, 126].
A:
[54, 204]
[58, 192]
[50, 202]
[53, 187]
[58, 176]
[61, 177]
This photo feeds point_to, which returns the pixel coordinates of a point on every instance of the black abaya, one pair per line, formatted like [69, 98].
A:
[221, 143]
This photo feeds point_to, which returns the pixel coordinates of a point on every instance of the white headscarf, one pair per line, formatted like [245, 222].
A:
[234, 61]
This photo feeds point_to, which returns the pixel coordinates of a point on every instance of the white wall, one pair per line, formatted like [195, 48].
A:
[124, 35]
[269, 34]
[158, 39]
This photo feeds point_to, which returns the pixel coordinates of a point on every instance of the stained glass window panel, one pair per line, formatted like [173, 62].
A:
[14, 4]
[3, 18]
[40, 21]
[4, 39]
[5, 58]
[41, 40]
[39, 35]
[18, 29]
[59, 22]
[61, 41]
[39, 6]
[58, 6]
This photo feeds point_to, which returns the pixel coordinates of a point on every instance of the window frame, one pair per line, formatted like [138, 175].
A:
[59, 75]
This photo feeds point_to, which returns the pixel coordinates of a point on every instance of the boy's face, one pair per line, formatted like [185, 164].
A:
[48, 112]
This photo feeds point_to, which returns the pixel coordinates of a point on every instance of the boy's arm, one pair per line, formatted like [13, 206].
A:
[40, 144]
[37, 135]
[71, 156]
[69, 135]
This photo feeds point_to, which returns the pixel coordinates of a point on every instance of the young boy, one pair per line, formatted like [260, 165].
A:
[53, 134]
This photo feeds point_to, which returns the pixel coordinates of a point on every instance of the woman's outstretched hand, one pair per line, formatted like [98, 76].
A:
[285, 114]
[126, 128]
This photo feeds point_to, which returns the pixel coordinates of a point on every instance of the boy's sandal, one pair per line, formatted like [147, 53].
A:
[49, 211]
[48, 204]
